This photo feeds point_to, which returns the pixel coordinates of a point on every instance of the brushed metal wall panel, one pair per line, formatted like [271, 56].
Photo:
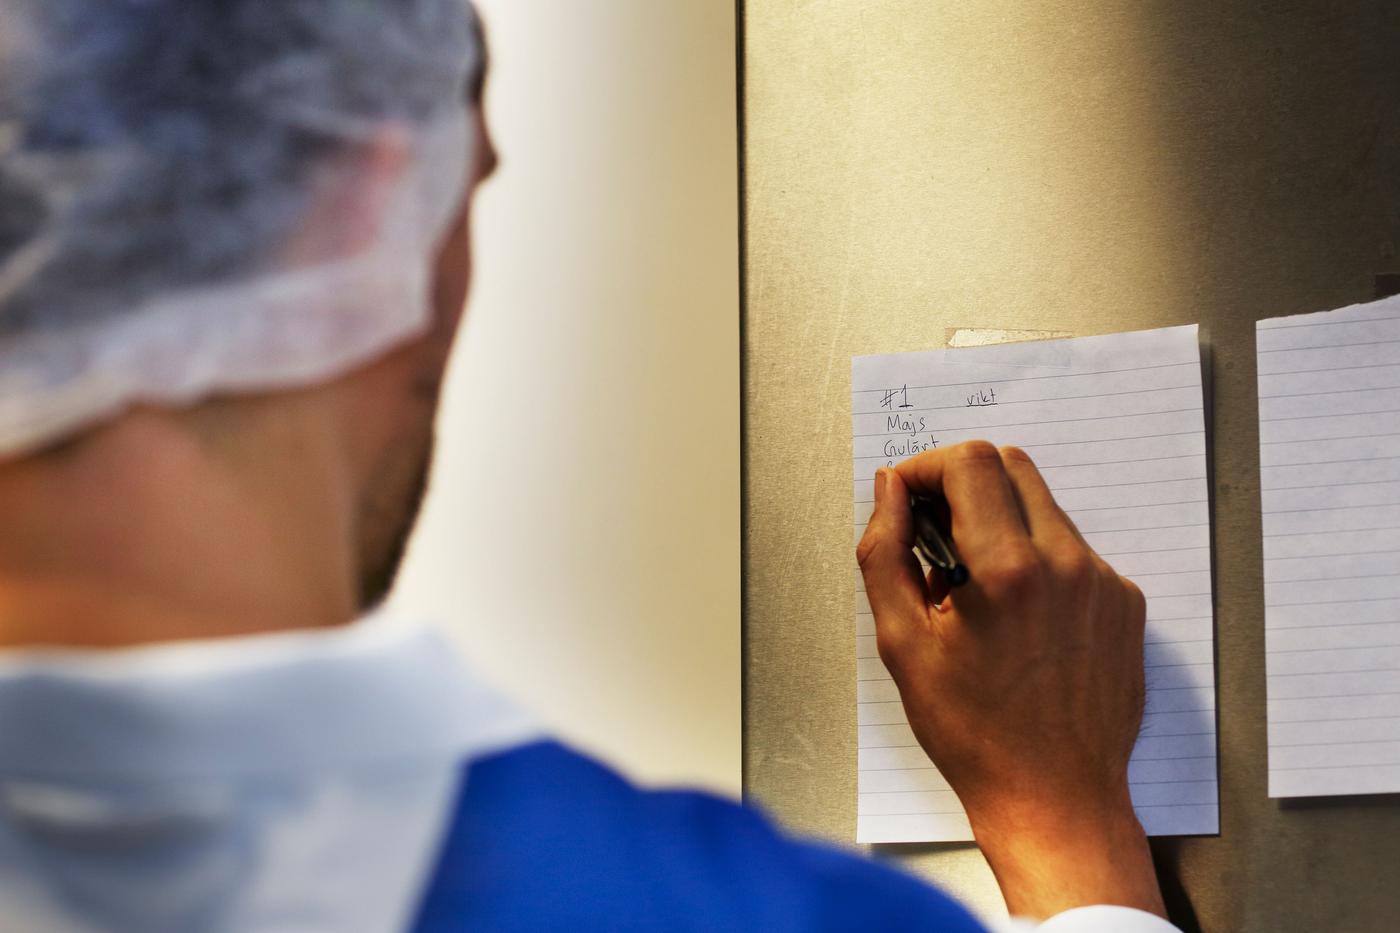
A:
[914, 167]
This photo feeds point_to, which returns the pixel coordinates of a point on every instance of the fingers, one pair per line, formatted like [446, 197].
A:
[987, 516]
[894, 582]
[1047, 521]
[938, 588]
[1007, 527]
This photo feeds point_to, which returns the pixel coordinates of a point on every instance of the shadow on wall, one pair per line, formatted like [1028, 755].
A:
[1279, 140]
[1268, 184]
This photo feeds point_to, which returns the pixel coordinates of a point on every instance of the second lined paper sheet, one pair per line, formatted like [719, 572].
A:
[1116, 425]
[1329, 470]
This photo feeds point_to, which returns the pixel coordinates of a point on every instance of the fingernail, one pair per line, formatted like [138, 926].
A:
[881, 479]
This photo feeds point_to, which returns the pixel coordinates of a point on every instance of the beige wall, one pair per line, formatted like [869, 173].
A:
[582, 534]
[1072, 165]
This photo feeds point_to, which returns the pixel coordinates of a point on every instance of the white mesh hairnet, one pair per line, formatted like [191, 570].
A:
[193, 197]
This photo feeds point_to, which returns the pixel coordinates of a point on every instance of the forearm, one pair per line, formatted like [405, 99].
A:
[1048, 862]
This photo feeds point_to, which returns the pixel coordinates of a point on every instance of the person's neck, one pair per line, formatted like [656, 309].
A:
[141, 533]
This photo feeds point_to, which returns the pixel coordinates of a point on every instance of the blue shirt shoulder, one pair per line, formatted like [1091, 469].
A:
[543, 838]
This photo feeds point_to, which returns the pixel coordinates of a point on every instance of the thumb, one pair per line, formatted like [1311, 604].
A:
[894, 581]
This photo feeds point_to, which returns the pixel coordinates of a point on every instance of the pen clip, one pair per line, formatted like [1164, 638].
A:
[931, 543]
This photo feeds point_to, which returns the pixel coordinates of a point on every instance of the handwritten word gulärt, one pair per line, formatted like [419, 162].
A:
[908, 447]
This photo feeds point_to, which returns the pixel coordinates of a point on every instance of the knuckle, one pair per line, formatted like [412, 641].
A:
[890, 644]
[1078, 567]
[1136, 600]
[1012, 454]
[902, 467]
[974, 452]
[1017, 574]
[867, 545]
[1133, 590]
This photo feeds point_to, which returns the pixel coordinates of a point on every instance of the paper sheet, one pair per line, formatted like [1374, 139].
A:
[1329, 462]
[1116, 426]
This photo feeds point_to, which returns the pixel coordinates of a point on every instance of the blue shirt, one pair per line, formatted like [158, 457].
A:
[545, 839]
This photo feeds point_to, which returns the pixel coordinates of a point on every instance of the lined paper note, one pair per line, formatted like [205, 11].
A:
[1329, 463]
[1116, 426]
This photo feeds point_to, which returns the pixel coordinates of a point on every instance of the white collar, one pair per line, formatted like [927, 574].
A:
[382, 691]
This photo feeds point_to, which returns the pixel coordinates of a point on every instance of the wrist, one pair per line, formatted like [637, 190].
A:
[1049, 857]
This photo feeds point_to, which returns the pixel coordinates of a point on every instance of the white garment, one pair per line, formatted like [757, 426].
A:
[288, 782]
[1096, 919]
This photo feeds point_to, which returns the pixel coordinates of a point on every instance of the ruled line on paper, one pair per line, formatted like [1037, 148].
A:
[1333, 346]
[1272, 323]
[1326, 392]
[1128, 464]
[1074, 375]
[1040, 399]
[1024, 424]
[1329, 388]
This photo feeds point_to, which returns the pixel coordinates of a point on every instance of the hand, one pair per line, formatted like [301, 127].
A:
[1024, 686]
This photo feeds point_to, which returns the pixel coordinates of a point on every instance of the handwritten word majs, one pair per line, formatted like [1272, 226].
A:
[904, 424]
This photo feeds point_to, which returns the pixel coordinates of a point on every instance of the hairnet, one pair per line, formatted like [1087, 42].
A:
[193, 198]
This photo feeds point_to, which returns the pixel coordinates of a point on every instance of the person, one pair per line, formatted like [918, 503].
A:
[234, 254]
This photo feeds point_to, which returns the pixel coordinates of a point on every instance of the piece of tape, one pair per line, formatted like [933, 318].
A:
[986, 336]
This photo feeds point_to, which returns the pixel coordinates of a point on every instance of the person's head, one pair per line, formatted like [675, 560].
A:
[239, 228]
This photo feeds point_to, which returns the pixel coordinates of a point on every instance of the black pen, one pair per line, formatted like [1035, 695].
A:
[931, 540]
